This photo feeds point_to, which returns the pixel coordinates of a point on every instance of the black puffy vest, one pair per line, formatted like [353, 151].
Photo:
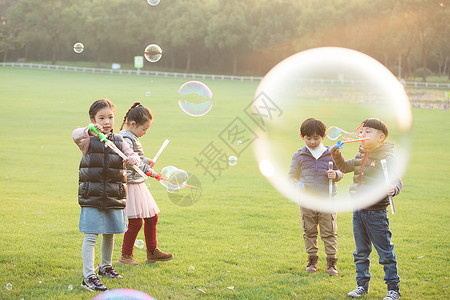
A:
[103, 176]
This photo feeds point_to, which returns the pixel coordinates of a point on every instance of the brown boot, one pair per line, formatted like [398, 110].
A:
[157, 255]
[313, 264]
[127, 260]
[331, 266]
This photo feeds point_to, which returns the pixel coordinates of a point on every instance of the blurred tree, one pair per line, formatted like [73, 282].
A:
[272, 30]
[100, 25]
[184, 28]
[214, 35]
[420, 23]
[8, 34]
[227, 30]
[45, 27]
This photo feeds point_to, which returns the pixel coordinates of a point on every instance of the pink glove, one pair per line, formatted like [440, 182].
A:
[151, 173]
[151, 163]
[133, 160]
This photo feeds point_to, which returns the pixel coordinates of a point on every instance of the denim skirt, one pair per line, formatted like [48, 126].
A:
[99, 221]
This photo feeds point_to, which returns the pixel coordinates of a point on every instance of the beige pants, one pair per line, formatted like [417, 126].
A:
[311, 221]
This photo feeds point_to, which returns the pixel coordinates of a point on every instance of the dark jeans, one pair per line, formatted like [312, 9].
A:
[372, 227]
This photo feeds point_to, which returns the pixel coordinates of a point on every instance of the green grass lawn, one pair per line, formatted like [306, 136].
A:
[241, 233]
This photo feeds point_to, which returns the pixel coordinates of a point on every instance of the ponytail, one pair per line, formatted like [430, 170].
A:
[138, 113]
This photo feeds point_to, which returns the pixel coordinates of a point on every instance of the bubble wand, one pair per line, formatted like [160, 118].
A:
[113, 147]
[340, 144]
[388, 182]
[164, 145]
[330, 181]
[159, 177]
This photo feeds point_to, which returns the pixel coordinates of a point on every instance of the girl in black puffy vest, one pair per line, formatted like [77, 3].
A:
[102, 191]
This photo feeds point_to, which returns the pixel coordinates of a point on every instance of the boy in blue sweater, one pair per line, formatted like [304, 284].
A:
[310, 168]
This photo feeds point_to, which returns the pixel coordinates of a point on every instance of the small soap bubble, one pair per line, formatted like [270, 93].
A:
[147, 185]
[333, 133]
[139, 244]
[70, 287]
[153, 2]
[78, 47]
[194, 98]
[191, 268]
[153, 53]
[239, 143]
[147, 93]
[9, 286]
[232, 160]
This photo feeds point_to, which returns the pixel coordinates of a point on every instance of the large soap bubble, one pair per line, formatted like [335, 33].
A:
[194, 98]
[342, 88]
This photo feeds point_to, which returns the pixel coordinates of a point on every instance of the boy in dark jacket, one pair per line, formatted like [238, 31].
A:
[371, 225]
[310, 169]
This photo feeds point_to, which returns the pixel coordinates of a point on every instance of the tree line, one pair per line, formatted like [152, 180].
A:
[410, 37]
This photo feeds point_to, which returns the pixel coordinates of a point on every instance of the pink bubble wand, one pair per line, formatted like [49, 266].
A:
[340, 144]
[159, 177]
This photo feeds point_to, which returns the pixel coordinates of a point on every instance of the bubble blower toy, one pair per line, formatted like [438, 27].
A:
[300, 184]
[159, 176]
[388, 182]
[330, 181]
[164, 145]
[113, 147]
[182, 185]
[334, 133]
[173, 178]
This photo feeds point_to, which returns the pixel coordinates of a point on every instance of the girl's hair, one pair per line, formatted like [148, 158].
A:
[138, 113]
[313, 126]
[99, 104]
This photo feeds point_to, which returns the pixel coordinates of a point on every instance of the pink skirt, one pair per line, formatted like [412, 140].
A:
[140, 203]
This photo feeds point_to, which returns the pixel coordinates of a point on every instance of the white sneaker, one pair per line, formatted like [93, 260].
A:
[358, 292]
[392, 295]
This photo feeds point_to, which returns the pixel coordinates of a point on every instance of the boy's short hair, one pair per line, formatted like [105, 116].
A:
[313, 126]
[376, 124]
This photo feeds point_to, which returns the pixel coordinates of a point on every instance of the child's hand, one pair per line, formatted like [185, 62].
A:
[98, 127]
[331, 174]
[335, 150]
[151, 173]
[151, 163]
[390, 190]
[133, 160]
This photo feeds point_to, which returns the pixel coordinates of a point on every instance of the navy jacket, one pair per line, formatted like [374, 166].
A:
[312, 172]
